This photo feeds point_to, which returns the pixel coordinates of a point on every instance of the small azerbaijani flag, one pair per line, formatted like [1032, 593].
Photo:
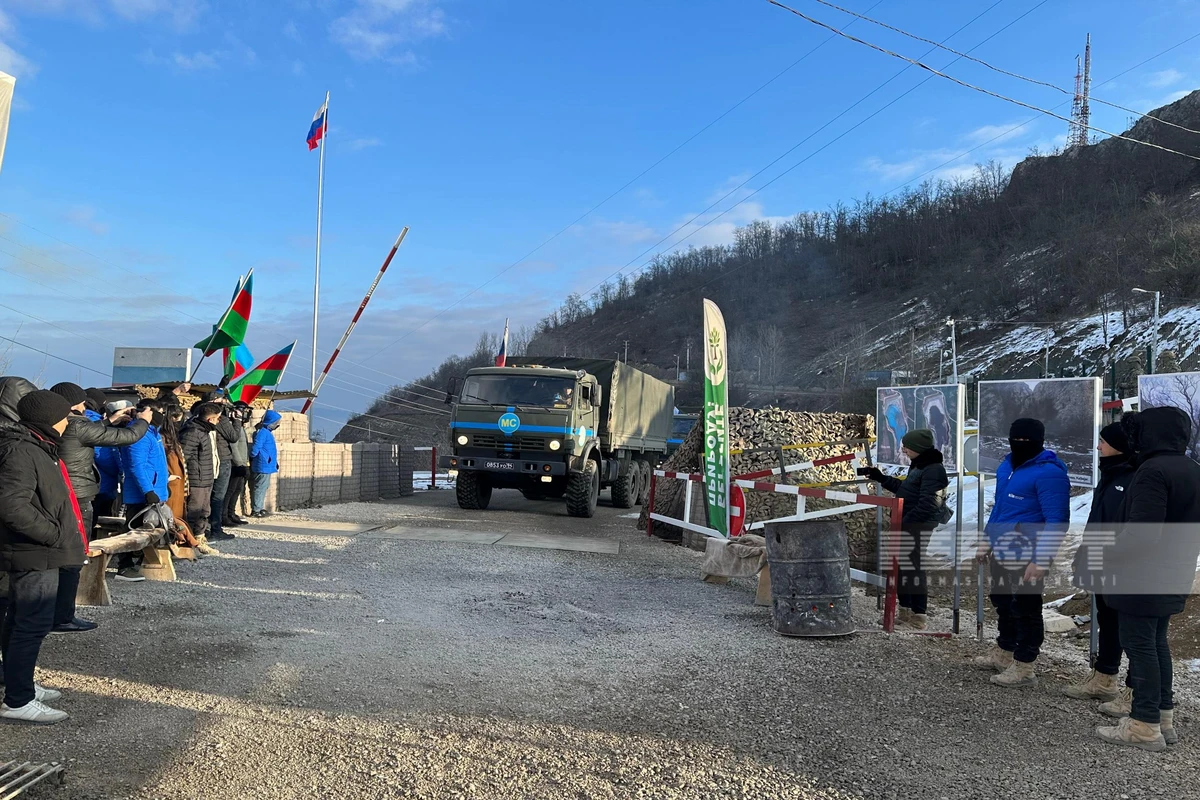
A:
[230, 331]
[268, 373]
[502, 356]
[237, 362]
[316, 131]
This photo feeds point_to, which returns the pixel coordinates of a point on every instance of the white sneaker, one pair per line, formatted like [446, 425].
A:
[34, 712]
[44, 695]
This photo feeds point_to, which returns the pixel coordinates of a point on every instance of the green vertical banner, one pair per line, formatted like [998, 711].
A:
[716, 419]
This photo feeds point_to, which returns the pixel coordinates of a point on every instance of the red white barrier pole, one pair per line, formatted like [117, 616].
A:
[433, 469]
[357, 314]
[650, 505]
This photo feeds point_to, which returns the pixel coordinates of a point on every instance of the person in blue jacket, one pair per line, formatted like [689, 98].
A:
[264, 462]
[144, 464]
[1025, 530]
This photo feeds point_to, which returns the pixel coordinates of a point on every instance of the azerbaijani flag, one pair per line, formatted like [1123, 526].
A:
[502, 356]
[231, 330]
[316, 132]
[237, 362]
[268, 373]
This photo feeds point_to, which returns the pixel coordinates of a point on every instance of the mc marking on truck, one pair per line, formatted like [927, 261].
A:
[509, 423]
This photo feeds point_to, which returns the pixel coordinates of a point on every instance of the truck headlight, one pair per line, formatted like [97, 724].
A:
[555, 444]
[463, 440]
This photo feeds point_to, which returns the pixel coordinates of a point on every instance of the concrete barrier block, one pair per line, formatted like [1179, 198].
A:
[327, 473]
[351, 473]
[294, 482]
[368, 488]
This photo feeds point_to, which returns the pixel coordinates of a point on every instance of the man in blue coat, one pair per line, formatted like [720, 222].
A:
[264, 462]
[1025, 530]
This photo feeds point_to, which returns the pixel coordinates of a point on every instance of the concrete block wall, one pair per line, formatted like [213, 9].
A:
[321, 474]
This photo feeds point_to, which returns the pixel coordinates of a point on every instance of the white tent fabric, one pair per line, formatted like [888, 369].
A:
[7, 84]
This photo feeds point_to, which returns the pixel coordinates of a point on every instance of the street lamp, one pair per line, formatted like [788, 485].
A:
[953, 351]
[759, 359]
[1154, 332]
[677, 366]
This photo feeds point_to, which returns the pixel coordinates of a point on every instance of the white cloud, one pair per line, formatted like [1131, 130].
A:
[205, 60]
[181, 13]
[292, 32]
[297, 67]
[995, 133]
[354, 145]
[1165, 78]
[11, 61]
[378, 29]
[85, 217]
[623, 233]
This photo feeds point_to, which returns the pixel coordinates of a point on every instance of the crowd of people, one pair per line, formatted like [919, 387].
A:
[1138, 558]
[68, 457]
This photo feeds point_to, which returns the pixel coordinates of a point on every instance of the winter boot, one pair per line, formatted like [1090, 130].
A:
[1134, 733]
[1098, 686]
[1166, 722]
[1018, 674]
[903, 615]
[997, 659]
[918, 622]
[1120, 707]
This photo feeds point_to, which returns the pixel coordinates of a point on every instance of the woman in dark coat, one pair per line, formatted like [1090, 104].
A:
[1116, 473]
[1153, 568]
[923, 491]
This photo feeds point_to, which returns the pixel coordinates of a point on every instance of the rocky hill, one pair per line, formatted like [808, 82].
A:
[1036, 266]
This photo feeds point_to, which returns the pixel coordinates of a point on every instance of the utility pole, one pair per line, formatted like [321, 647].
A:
[759, 370]
[689, 355]
[953, 352]
[626, 351]
[941, 364]
[1153, 360]
[677, 366]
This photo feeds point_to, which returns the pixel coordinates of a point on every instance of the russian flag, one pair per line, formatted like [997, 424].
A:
[502, 356]
[317, 131]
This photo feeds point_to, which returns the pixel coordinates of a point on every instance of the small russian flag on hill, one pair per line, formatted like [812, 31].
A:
[502, 356]
[317, 131]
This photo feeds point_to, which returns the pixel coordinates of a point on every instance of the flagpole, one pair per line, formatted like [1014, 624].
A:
[317, 274]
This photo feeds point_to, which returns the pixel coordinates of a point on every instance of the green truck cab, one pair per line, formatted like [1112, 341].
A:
[558, 428]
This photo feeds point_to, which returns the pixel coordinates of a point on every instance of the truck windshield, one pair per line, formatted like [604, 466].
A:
[519, 390]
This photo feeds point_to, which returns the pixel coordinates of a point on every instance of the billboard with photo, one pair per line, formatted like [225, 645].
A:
[1178, 389]
[900, 409]
[1068, 407]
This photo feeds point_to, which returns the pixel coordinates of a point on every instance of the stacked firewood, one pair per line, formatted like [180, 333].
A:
[752, 429]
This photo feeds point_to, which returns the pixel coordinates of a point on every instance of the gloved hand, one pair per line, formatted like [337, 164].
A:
[875, 474]
[152, 498]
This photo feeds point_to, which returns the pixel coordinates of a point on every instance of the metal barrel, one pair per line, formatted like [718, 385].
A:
[810, 578]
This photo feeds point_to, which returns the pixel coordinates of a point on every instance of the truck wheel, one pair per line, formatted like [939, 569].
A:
[645, 471]
[625, 488]
[472, 490]
[583, 491]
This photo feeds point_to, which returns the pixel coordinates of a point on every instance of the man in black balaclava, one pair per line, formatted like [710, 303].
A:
[1026, 528]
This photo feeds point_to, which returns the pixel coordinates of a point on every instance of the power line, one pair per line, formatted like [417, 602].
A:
[1000, 70]
[972, 86]
[51, 355]
[627, 184]
[791, 150]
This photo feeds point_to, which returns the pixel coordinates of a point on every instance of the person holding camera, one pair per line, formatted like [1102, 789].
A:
[239, 415]
[1028, 522]
[923, 491]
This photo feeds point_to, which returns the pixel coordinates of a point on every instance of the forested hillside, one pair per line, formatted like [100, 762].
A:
[1036, 266]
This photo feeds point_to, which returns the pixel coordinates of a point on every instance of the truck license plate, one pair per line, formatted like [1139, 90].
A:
[500, 465]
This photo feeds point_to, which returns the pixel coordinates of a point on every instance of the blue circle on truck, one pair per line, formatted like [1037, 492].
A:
[509, 423]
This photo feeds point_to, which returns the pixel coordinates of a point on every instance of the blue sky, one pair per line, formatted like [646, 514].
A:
[157, 151]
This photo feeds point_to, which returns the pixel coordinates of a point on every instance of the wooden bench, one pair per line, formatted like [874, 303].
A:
[157, 564]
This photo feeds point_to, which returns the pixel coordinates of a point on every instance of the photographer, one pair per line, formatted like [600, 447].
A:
[76, 448]
[923, 491]
[226, 430]
[239, 415]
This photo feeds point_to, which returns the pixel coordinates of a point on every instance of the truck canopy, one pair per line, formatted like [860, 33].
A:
[636, 409]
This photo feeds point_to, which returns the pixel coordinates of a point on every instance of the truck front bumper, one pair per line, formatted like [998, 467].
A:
[507, 466]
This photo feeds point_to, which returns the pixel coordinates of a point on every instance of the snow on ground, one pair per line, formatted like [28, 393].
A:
[421, 481]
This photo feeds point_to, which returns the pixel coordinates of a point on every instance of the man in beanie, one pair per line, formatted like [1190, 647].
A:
[76, 448]
[41, 531]
[923, 491]
[1152, 565]
[12, 389]
[1116, 473]
[1028, 522]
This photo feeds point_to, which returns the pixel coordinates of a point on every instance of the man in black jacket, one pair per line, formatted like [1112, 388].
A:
[41, 531]
[227, 435]
[77, 449]
[1116, 473]
[1153, 569]
[199, 439]
[12, 389]
[923, 491]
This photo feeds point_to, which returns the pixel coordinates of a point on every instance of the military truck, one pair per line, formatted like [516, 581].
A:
[558, 428]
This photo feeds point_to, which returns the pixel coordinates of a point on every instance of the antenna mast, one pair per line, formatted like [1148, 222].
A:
[1079, 133]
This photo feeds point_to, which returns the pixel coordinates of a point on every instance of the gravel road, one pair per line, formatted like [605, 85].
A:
[316, 660]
